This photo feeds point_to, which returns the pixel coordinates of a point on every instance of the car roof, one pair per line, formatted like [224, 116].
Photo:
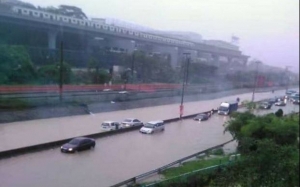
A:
[109, 121]
[154, 122]
[130, 118]
[82, 138]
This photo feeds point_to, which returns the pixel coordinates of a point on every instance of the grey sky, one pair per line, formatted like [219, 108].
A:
[268, 29]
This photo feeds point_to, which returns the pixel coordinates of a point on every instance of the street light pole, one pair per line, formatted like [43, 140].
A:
[183, 81]
[132, 65]
[287, 77]
[61, 71]
[255, 81]
[187, 70]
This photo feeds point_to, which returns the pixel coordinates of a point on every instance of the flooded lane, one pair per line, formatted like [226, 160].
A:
[115, 158]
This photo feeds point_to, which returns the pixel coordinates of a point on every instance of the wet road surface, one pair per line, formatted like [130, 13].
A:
[116, 158]
[26, 133]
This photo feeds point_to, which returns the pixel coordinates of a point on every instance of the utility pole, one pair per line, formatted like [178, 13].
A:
[61, 70]
[185, 73]
[187, 70]
[287, 77]
[132, 66]
[255, 81]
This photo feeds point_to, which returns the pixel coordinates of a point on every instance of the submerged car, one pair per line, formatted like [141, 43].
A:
[110, 125]
[78, 144]
[265, 105]
[280, 103]
[296, 102]
[131, 122]
[201, 117]
[153, 126]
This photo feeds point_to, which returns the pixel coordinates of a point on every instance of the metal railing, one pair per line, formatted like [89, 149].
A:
[133, 180]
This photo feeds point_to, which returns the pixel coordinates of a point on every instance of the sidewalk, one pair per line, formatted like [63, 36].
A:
[26, 133]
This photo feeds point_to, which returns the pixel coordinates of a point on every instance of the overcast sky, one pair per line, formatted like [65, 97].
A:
[268, 29]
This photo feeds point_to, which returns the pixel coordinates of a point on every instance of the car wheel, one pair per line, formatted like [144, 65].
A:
[163, 129]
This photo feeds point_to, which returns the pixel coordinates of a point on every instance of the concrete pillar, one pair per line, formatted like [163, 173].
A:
[172, 51]
[52, 39]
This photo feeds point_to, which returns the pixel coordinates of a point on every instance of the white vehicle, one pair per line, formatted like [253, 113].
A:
[152, 127]
[110, 125]
[131, 122]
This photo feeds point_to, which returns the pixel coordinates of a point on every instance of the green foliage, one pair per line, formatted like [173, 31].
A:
[13, 104]
[192, 166]
[218, 151]
[246, 127]
[15, 65]
[237, 121]
[50, 74]
[279, 113]
[271, 165]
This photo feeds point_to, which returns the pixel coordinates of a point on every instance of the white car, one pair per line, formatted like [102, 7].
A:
[110, 125]
[280, 103]
[131, 122]
[153, 126]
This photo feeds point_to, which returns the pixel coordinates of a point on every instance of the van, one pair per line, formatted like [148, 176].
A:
[110, 125]
[152, 126]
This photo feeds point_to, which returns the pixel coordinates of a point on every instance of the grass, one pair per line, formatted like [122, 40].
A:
[13, 104]
[193, 165]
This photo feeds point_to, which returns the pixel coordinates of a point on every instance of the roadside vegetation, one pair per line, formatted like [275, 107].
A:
[269, 149]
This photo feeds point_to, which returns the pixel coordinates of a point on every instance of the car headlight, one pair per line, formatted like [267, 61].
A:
[70, 149]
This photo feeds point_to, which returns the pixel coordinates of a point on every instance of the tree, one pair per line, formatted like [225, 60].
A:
[271, 165]
[279, 113]
[16, 66]
[49, 74]
[245, 128]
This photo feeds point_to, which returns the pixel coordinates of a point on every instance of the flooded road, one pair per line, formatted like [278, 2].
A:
[26, 133]
[115, 158]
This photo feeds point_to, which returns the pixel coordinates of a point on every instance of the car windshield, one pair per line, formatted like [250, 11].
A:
[222, 108]
[105, 124]
[74, 141]
[149, 125]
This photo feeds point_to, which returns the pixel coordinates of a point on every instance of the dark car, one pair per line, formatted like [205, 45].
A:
[201, 117]
[78, 144]
[265, 105]
[272, 100]
[296, 102]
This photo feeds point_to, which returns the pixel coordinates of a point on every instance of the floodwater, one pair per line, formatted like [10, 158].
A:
[115, 158]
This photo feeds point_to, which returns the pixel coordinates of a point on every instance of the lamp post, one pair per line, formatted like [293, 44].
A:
[255, 80]
[287, 77]
[61, 63]
[185, 74]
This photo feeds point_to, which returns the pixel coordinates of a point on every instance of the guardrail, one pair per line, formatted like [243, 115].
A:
[133, 180]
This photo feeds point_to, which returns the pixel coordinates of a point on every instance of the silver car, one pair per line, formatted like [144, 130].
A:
[131, 122]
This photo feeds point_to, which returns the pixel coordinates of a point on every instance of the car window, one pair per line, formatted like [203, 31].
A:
[136, 120]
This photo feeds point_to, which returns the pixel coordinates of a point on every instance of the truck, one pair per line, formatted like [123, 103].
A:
[227, 108]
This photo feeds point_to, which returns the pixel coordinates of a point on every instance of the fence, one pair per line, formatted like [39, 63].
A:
[159, 170]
